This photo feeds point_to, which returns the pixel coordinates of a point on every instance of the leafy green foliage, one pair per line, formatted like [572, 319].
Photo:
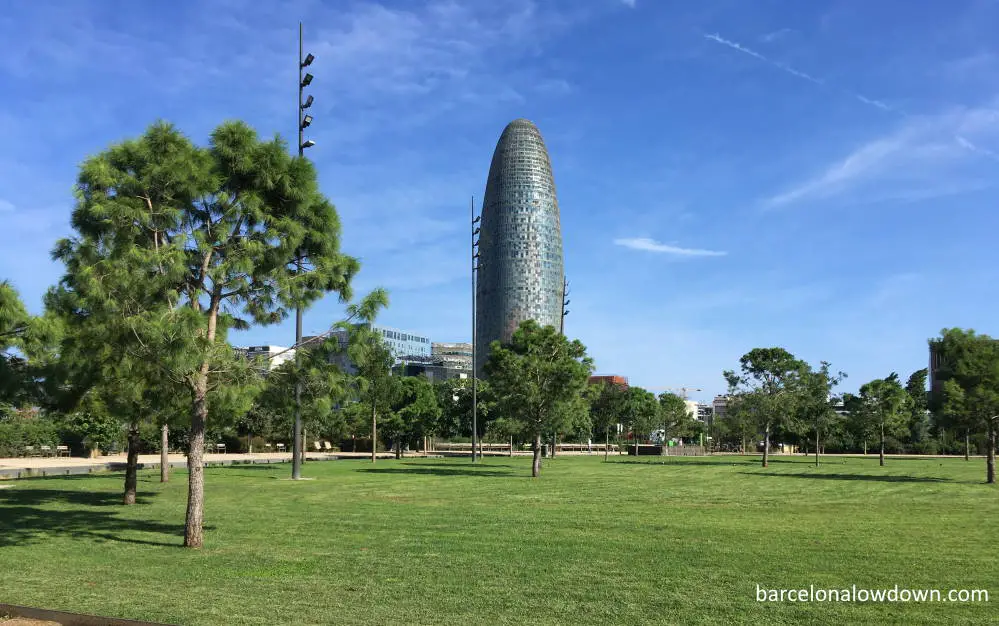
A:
[537, 379]
[885, 405]
[766, 389]
[640, 413]
[175, 244]
[815, 402]
[673, 414]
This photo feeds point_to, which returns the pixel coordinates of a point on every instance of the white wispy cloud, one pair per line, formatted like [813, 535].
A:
[6, 207]
[871, 102]
[775, 35]
[925, 157]
[651, 245]
[779, 65]
[629, 3]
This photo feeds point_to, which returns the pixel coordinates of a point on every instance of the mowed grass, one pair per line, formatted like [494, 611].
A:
[433, 541]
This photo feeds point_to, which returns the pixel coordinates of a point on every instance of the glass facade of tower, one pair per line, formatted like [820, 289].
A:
[520, 245]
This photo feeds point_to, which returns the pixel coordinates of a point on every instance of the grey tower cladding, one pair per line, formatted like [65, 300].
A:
[521, 241]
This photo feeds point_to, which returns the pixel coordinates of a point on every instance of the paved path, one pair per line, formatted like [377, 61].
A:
[23, 467]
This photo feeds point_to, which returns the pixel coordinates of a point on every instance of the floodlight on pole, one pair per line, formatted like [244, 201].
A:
[304, 121]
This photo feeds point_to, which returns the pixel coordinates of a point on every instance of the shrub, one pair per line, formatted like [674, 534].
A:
[18, 432]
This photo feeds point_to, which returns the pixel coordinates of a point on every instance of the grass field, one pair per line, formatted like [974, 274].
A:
[425, 541]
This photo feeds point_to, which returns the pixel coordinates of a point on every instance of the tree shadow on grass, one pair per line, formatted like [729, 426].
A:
[680, 460]
[451, 464]
[886, 478]
[440, 470]
[24, 518]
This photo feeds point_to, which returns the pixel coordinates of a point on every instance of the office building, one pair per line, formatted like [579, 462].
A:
[520, 245]
[718, 406]
[271, 356]
[456, 354]
[620, 381]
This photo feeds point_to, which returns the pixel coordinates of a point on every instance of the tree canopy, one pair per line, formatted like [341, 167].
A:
[537, 379]
[175, 243]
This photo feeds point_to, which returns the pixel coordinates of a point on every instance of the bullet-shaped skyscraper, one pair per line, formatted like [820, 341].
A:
[520, 245]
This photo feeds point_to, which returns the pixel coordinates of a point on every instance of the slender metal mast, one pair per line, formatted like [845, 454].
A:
[475, 390]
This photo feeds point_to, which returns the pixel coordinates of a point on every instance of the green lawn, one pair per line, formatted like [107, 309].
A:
[439, 541]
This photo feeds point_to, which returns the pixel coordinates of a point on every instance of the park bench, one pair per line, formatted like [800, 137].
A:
[62, 450]
[30, 451]
[317, 446]
[220, 448]
[267, 447]
[46, 450]
[280, 447]
[327, 447]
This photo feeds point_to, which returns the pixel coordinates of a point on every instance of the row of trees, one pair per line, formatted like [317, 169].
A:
[776, 394]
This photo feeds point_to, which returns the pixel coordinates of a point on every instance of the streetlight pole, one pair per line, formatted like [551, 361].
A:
[475, 267]
[303, 122]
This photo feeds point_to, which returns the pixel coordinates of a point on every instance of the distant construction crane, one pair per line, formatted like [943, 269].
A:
[683, 390]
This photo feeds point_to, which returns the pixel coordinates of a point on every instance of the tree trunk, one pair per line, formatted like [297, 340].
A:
[164, 454]
[194, 536]
[743, 451]
[967, 445]
[606, 443]
[511, 445]
[536, 465]
[882, 455]
[374, 432]
[551, 452]
[865, 447]
[990, 462]
[131, 466]
[766, 446]
[193, 528]
[398, 448]
[816, 445]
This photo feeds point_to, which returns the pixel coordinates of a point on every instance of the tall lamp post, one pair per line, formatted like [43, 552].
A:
[476, 266]
[304, 121]
[565, 303]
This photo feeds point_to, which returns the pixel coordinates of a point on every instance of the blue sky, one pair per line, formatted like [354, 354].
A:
[820, 175]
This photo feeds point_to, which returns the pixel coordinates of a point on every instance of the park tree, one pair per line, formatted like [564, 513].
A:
[674, 416]
[969, 375]
[373, 382]
[766, 388]
[535, 377]
[885, 405]
[815, 402]
[640, 414]
[606, 409]
[414, 410]
[176, 242]
[454, 397]
[919, 426]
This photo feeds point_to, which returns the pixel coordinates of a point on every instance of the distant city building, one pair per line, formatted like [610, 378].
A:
[405, 346]
[620, 381]
[446, 361]
[272, 356]
[457, 354]
[718, 406]
[692, 408]
[705, 414]
[521, 275]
